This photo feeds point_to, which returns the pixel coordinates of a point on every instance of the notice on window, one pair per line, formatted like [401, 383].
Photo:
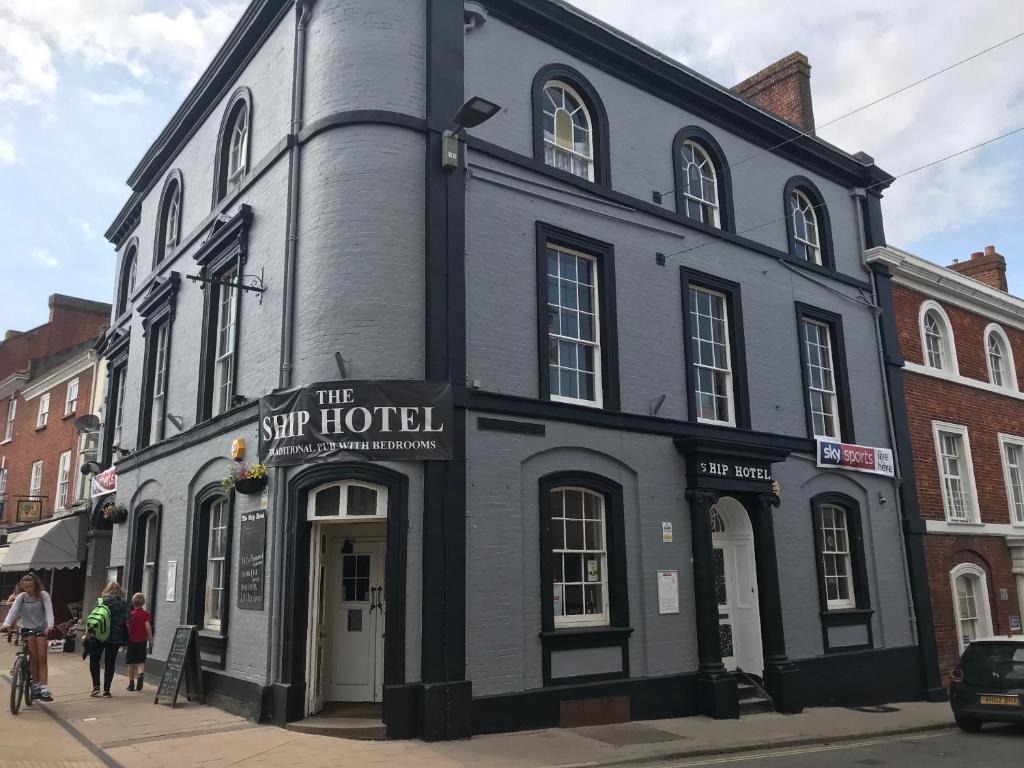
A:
[668, 592]
[666, 533]
[592, 574]
[172, 579]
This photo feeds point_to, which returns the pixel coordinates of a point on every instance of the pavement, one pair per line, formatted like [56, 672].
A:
[129, 730]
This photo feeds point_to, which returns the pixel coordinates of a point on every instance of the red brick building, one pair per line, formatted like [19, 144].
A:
[961, 336]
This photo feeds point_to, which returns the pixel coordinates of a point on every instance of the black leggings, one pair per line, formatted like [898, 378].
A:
[109, 653]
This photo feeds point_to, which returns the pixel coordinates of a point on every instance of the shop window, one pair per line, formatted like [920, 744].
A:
[716, 368]
[973, 615]
[570, 125]
[956, 472]
[577, 341]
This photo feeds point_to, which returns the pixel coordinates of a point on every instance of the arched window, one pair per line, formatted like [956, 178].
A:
[999, 356]
[232, 162]
[127, 284]
[570, 125]
[938, 349]
[807, 223]
[144, 557]
[168, 228]
[700, 188]
[969, 585]
[348, 499]
[568, 131]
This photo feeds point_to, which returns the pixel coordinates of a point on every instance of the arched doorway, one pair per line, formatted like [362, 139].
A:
[735, 570]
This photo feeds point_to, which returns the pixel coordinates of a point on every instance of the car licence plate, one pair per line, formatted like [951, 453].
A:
[1005, 701]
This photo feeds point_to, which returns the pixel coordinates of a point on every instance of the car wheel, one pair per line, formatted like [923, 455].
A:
[967, 725]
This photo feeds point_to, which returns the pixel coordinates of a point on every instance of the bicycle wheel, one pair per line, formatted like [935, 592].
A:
[17, 687]
[27, 683]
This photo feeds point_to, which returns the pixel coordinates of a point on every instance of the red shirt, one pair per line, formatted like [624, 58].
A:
[137, 625]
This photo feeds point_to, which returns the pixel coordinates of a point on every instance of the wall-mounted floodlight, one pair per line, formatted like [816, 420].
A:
[471, 114]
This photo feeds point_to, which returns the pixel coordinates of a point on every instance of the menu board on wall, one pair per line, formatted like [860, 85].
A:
[252, 560]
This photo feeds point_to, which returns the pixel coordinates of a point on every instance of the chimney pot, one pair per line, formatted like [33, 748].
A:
[990, 250]
[976, 255]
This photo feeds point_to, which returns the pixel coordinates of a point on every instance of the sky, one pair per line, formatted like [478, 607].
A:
[86, 86]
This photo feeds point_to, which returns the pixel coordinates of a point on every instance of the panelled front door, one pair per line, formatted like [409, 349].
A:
[723, 591]
[359, 618]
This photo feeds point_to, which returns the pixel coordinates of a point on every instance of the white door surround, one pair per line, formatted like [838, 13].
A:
[739, 615]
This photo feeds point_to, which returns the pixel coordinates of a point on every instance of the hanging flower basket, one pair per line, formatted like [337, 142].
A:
[115, 513]
[245, 478]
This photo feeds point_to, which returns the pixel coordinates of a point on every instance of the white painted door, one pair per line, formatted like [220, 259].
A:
[358, 629]
[746, 612]
[724, 592]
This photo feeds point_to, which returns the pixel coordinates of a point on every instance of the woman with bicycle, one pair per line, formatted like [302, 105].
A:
[35, 610]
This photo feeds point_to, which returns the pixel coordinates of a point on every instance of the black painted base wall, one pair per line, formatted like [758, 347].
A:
[239, 697]
[858, 678]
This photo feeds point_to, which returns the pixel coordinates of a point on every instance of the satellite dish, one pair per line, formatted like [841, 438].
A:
[87, 423]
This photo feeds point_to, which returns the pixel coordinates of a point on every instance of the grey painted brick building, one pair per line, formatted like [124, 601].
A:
[635, 520]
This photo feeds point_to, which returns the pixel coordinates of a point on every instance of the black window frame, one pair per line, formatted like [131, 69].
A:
[140, 515]
[604, 258]
[213, 642]
[737, 344]
[157, 309]
[861, 613]
[809, 188]
[131, 254]
[844, 402]
[618, 630]
[225, 251]
[598, 117]
[240, 99]
[723, 177]
[174, 181]
[116, 351]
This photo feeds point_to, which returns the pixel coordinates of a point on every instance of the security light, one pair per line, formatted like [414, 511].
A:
[471, 114]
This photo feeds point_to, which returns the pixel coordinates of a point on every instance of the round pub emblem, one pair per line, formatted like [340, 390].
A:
[238, 449]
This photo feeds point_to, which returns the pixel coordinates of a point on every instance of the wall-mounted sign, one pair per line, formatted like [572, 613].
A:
[860, 458]
[666, 533]
[1015, 623]
[668, 592]
[238, 449]
[29, 510]
[252, 560]
[105, 482]
[733, 469]
[364, 419]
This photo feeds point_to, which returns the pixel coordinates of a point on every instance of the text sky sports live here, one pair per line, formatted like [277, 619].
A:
[397, 420]
[862, 458]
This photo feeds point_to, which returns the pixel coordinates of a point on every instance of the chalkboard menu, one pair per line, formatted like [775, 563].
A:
[252, 560]
[182, 661]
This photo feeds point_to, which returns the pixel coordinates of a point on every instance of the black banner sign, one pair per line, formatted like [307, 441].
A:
[182, 659]
[252, 560]
[363, 419]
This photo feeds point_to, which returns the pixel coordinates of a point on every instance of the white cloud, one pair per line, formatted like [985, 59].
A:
[7, 152]
[859, 55]
[117, 98]
[43, 258]
[88, 233]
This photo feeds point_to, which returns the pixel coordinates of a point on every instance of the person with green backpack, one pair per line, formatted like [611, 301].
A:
[106, 631]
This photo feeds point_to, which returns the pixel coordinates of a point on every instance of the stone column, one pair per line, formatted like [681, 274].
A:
[779, 675]
[715, 687]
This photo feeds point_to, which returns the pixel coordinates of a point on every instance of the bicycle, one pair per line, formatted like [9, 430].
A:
[21, 678]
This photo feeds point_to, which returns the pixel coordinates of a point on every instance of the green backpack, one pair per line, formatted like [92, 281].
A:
[98, 622]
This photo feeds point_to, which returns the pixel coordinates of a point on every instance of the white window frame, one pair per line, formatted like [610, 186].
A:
[342, 514]
[587, 161]
[831, 396]
[71, 397]
[3, 482]
[43, 416]
[224, 355]
[596, 345]
[984, 618]
[35, 483]
[730, 389]
[121, 377]
[706, 169]
[801, 206]
[160, 370]
[950, 363]
[87, 447]
[846, 555]
[1013, 477]
[1009, 371]
[172, 221]
[585, 619]
[967, 472]
[222, 508]
[238, 146]
[12, 412]
[60, 500]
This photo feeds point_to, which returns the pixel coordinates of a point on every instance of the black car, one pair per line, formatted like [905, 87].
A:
[987, 685]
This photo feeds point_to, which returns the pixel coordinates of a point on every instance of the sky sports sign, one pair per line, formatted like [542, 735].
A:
[362, 420]
[860, 458]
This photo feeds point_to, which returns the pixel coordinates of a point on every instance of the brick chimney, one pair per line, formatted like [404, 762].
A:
[986, 267]
[784, 89]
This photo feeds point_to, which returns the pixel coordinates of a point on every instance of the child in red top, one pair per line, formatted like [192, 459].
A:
[140, 640]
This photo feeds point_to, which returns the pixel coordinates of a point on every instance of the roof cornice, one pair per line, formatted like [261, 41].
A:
[607, 48]
[12, 383]
[946, 284]
[65, 371]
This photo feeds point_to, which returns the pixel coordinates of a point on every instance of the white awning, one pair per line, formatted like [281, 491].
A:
[56, 544]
